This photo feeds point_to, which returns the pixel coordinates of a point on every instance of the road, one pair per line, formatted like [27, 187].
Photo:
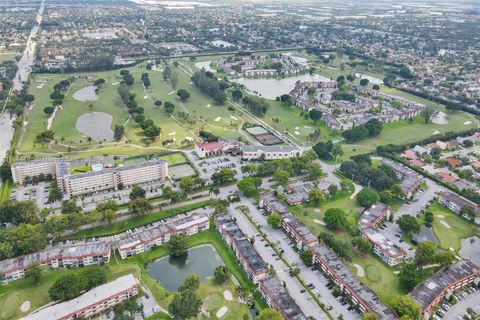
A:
[24, 67]
[309, 276]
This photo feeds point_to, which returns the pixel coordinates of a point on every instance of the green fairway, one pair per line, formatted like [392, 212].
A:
[449, 228]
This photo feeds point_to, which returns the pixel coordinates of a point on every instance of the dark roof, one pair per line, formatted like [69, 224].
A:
[281, 299]
[426, 292]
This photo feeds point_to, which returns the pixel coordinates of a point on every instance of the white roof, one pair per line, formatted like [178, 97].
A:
[91, 297]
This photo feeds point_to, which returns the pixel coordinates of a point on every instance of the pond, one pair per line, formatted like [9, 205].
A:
[271, 88]
[471, 249]
[97, 125]
[171, 272]
[86, 94]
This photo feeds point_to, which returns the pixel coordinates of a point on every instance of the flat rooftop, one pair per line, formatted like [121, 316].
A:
[377, 210]
[68, 251]
[87, 299]
[426, 292]
[382, 242]
[281, 298]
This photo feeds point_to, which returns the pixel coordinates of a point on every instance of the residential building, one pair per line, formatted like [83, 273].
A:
[374, 215]
[64, 256]
[114, 178]
[443, 283]
[278, 298]
[148, 238]
[383, 247]
[245, 252]
[252, 152]
[409, 180]
[298, 194]
[455, 203]
[358, 293]
[45, 167]
[92, 302]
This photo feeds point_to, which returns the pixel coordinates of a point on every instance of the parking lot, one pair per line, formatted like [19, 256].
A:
[210, 166]
[468, 298]
[37, 193]
[392, 232]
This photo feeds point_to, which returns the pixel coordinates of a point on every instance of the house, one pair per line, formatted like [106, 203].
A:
[453, 162]
[446, 177]
[420, 150]
[278, 298]
[409, 180]
[452, 144]
[443, 283]
[298, 194]
[90, 303]
[409, 154]
[417, 163]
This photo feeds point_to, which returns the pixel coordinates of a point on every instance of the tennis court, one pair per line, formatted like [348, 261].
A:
[181, 171]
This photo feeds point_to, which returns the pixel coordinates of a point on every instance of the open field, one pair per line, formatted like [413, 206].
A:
[459, 228]
[8, 56]
[205, 115]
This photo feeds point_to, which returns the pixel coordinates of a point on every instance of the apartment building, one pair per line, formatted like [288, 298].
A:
[455, 203]
[252, 152]
[71, 255]
[443, 283]
[45, 167]
[409, 180]
[383, 247]
[245, 252]
[114, 178]
[150, 237]
[358, 293]
[92, 302]
[302, 236]
[278, 298]
[374, 215]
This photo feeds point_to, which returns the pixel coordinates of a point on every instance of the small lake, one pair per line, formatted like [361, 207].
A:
[86, 94]
[97, 125]
[270, 88]
[171, 272]
[471, 249]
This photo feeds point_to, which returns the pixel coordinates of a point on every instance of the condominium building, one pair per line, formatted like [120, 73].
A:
[383, 247]
[114, 178]
[45, 167]
[278, 298]
[150, 237]
[65, 256]
[409, 179]
[443, 283]
[455, 203]
[374, 215]
[245, 252]
[358, 293]
[92, 302]
[252, 152]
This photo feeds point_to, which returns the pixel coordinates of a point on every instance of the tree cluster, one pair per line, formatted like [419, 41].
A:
[186, 304]
[370, 129]
[209, 84]
[341, 248]
[71, 285]
[258, 106]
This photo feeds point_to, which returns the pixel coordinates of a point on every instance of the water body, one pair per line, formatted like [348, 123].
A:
[97, 125]
[471, 249]
[271, 88]
[86, 94]
[171, 272]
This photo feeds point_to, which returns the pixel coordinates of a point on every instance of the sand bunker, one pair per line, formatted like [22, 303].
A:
[232, 117]
[115, 83]
[440, 216]
[440, 118]
[208, 106]
[467, 123]
[221, 312]
[217, 119]
[297, 133]
[172, 133]
[228, 295]
[360, 271]
[320, 222]
[171, 93]
[25, 306]
[86, 94]
[436, 132]
[445, 224]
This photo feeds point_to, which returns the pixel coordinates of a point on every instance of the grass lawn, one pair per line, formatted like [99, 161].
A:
[134, 222]
[8, 56]
[80, 169]
[15, 293]
[173, 158]
[459, 228]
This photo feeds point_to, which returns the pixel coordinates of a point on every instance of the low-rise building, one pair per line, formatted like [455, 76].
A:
[245, 252]
[278, 298]
[35, 168]
[252, 152]
[298, 194]
[64, 256]
[209, 149]
[358, 293]
[383, 247]
[409, 179]
[443, 283]
[95, 301]
[374, 215]
[455, 203]
[149, 238]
